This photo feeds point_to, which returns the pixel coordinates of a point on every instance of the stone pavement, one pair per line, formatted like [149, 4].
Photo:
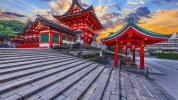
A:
[169, 80]
[136, 87]
[154, 71]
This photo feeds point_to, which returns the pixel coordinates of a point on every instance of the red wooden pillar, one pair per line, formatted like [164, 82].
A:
[84, 39]
[38, 39]
[25, 39]
[51, 39]
[72, 39]
[28, 38]
[60, 38]
[142, 61]
[133, 55]
[116, 57]
[32, 39]
[35, 39]
[67, 37]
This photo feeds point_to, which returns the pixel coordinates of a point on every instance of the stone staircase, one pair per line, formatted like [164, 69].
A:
[44, 74]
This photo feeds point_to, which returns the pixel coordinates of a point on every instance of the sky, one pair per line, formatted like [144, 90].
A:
[155, 15]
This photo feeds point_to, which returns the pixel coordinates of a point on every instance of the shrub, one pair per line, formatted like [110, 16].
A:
[63, 46]
[92, 48]
[165, 55]
[88, 56]
[77, 46]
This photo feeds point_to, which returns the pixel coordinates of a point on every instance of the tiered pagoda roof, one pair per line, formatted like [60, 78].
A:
[74, 4]
[80, 11]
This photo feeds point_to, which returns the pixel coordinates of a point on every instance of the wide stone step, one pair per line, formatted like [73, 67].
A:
[52, 52]
[10, 65]
[44, 83]
[25, 67]
[112, 91]
[66, 84]
[26, 59]
[22, 50]
[22, 57]
[29, 53]
[25, 50]
[9, 57]
[7, 77]
[99, 91]
[98, 84]
[36, 78]
[43, 74]
[78, 91]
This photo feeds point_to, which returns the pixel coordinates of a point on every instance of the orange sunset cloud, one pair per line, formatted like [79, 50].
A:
[161, 21]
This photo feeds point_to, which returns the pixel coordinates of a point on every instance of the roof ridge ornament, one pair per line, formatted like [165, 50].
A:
[130, 19]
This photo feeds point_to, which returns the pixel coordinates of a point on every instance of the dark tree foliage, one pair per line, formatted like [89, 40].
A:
[6, 32]
[14, 25]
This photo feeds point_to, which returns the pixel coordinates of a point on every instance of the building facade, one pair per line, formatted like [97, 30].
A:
[168, 46]
[78, 17]
[45, 33]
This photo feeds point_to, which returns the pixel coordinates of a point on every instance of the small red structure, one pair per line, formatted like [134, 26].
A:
[133, 36]
[79, 18]
[44, 33]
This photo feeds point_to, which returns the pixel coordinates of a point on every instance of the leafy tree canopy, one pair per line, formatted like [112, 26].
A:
[15, 25]
[8, 27]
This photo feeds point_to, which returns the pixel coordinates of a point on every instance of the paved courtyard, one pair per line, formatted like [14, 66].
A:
[169, 81]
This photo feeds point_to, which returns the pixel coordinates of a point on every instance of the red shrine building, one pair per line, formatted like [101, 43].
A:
[45, 33]
[133, 36]
[79, 18]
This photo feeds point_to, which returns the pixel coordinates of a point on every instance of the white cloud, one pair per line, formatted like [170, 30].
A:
[132, 3]
[42, 11]
[61, 4]
[135, 2]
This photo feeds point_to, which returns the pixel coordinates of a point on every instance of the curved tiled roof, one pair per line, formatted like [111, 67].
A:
[79, 13]
[55, 25]
[73, 3]
[49, 23]
[138, 28]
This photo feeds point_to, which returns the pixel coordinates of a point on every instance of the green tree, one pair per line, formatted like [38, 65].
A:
[1, 28]
[8, 32]
[16, 26]
[2, 31]
[5, 33]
